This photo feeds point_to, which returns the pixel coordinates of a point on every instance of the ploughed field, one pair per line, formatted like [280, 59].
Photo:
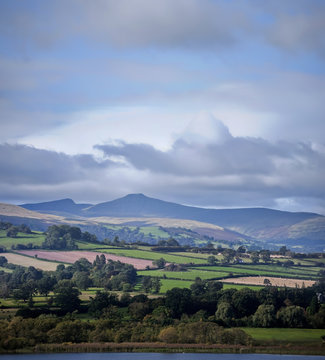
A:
[280, 282]
[73, 256]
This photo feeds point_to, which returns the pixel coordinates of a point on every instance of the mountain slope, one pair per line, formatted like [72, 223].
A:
[266, 225]
[272, 226]
[59, 207]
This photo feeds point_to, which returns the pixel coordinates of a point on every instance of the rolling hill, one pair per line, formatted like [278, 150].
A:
[301, 230]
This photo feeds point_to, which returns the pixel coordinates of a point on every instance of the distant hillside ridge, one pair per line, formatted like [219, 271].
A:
[58, 207]
[299, 229]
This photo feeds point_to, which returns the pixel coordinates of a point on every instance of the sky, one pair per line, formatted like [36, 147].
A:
[212, 103]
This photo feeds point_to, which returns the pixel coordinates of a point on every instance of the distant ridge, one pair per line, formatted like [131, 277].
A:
[58, 207]
[267, 225]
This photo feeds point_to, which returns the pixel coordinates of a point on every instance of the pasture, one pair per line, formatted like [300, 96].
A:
[154, 255]
[36, 238]
[267, 270]
[285, 334]
[191, 274]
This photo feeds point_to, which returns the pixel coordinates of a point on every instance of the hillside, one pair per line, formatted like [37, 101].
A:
[62, 207]
[305, 231]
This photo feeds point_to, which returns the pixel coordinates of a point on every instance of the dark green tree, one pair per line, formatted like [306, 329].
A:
[66, 296]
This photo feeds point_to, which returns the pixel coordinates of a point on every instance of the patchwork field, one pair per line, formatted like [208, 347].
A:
[152, 255]
[280, 282]
[73, 256]
[6, 242]
[30, 261]
[268, 270]
[191, 274]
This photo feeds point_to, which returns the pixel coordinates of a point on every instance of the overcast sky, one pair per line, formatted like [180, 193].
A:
[214, 103]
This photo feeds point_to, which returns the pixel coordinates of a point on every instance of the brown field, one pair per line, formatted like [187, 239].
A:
[29, 261]
[72, 256]
[259, 280]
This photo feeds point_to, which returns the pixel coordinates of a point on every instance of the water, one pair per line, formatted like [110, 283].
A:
[156, 356]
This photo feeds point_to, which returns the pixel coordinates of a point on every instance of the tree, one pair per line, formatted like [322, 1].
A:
[102, 300]
[12, 232]
[45, 285]
[212, 260]
[3, 261]
[245, 302]
[225, 312]
[82, 280]
[266, 255]
[160, 263]
[228, 255]
[25, 291]
[255, 257]
[168, 335]
[264, 316]
[292, 316]
[70, 331]
[151, 284]
[179, 301]
[66, 296]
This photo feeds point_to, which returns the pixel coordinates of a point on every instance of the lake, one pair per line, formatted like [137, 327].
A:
[156, 356]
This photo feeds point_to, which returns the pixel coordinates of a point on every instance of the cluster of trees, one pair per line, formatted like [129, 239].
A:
[112, 327]
[12, 231]
[61, 237]
[205, 313]
[64, 237]
[24, 283]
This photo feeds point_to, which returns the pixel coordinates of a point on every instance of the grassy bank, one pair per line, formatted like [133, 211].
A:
[302, 349]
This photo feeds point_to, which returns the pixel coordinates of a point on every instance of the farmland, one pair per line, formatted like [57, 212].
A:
[36, 238]
[72, 256]
[191, 274]
[267, 270]
[27, 261]
[152, 255]
[259, 280]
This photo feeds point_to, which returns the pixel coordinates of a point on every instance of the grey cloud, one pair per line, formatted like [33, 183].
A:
[185, 23]
[234, 156]
[22, 164]
[298, 25]
[168, 23]
[258, 170]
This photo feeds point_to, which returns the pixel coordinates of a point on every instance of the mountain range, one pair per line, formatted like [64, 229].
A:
[299, 230]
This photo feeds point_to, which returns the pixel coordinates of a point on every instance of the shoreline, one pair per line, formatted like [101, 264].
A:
[280, 349]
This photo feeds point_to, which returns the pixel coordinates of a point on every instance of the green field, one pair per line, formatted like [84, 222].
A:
[168, 284]
[239, 287]
[82, 245]
[151, 255]
[286, 335]
[267, 270]
[191, 274]
[36, 238]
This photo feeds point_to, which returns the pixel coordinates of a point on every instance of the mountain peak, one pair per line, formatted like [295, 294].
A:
[139, 196]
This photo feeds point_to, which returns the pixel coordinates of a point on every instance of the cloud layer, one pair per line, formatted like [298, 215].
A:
[220, 171]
